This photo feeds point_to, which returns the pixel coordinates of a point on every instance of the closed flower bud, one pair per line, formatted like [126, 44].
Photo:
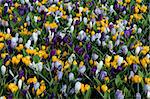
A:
[120, 60]
[139, 30]
[137, 50]
[77, 87]
[3, 69]
[85, 20]
[8, 30]
[19, 83]
[71, 76]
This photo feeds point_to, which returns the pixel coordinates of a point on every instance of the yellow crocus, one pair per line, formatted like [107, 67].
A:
[12, 87]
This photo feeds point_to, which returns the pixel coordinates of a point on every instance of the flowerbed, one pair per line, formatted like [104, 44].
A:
[75, 49]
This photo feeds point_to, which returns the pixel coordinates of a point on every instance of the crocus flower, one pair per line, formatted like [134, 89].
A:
[138, 95]
[19, 83]
[3, 69]
[59, 75]
[94, 56]
[135, 67]
[119, 95]
[71, 76]
[137, 50]
[77, 87]
[82, 69]
[103, 74]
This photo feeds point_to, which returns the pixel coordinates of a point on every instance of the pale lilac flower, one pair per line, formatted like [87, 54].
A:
[36, 85]
[131, 74]
[103, 74]
[138, 95]
[94, 56]
[119, 95]
[82, 69]
[60, 75]
[64, 88]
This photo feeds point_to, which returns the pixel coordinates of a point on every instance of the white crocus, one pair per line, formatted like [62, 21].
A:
[110, 45]
[19, 83]
[70, 21]
[13, 42]
[77, 87]
[2, 97]
[137, 50]
[85, 20]
[120, 60]
[148, 95]
[72, 29]
[27, 1]
[35, 18]
[111, 9]
[51, 36]
[139, 30]
[8, 30]
[80, 9]
[3, 70]
[22, 1]
[70, 59]
[28, 44]
[99, 67]
[62, 35]
[40, 66]
[71, 76]
[35, 37]
[91, 24]
[81, 35]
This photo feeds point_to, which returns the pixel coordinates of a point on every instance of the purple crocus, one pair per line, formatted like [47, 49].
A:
[21, 73]
[53, 52]
[86, 57]
[103, 74]
[21, 11]
[80, 51]
[94, 69]
[119, 68]
[88, 46]
[127, 33]
[119, 95]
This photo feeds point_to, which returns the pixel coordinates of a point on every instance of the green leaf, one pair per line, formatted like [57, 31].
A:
[106, 95]
[24, 52]
[1, 61]
[36, 58]
[88, 94]
[118, 81]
